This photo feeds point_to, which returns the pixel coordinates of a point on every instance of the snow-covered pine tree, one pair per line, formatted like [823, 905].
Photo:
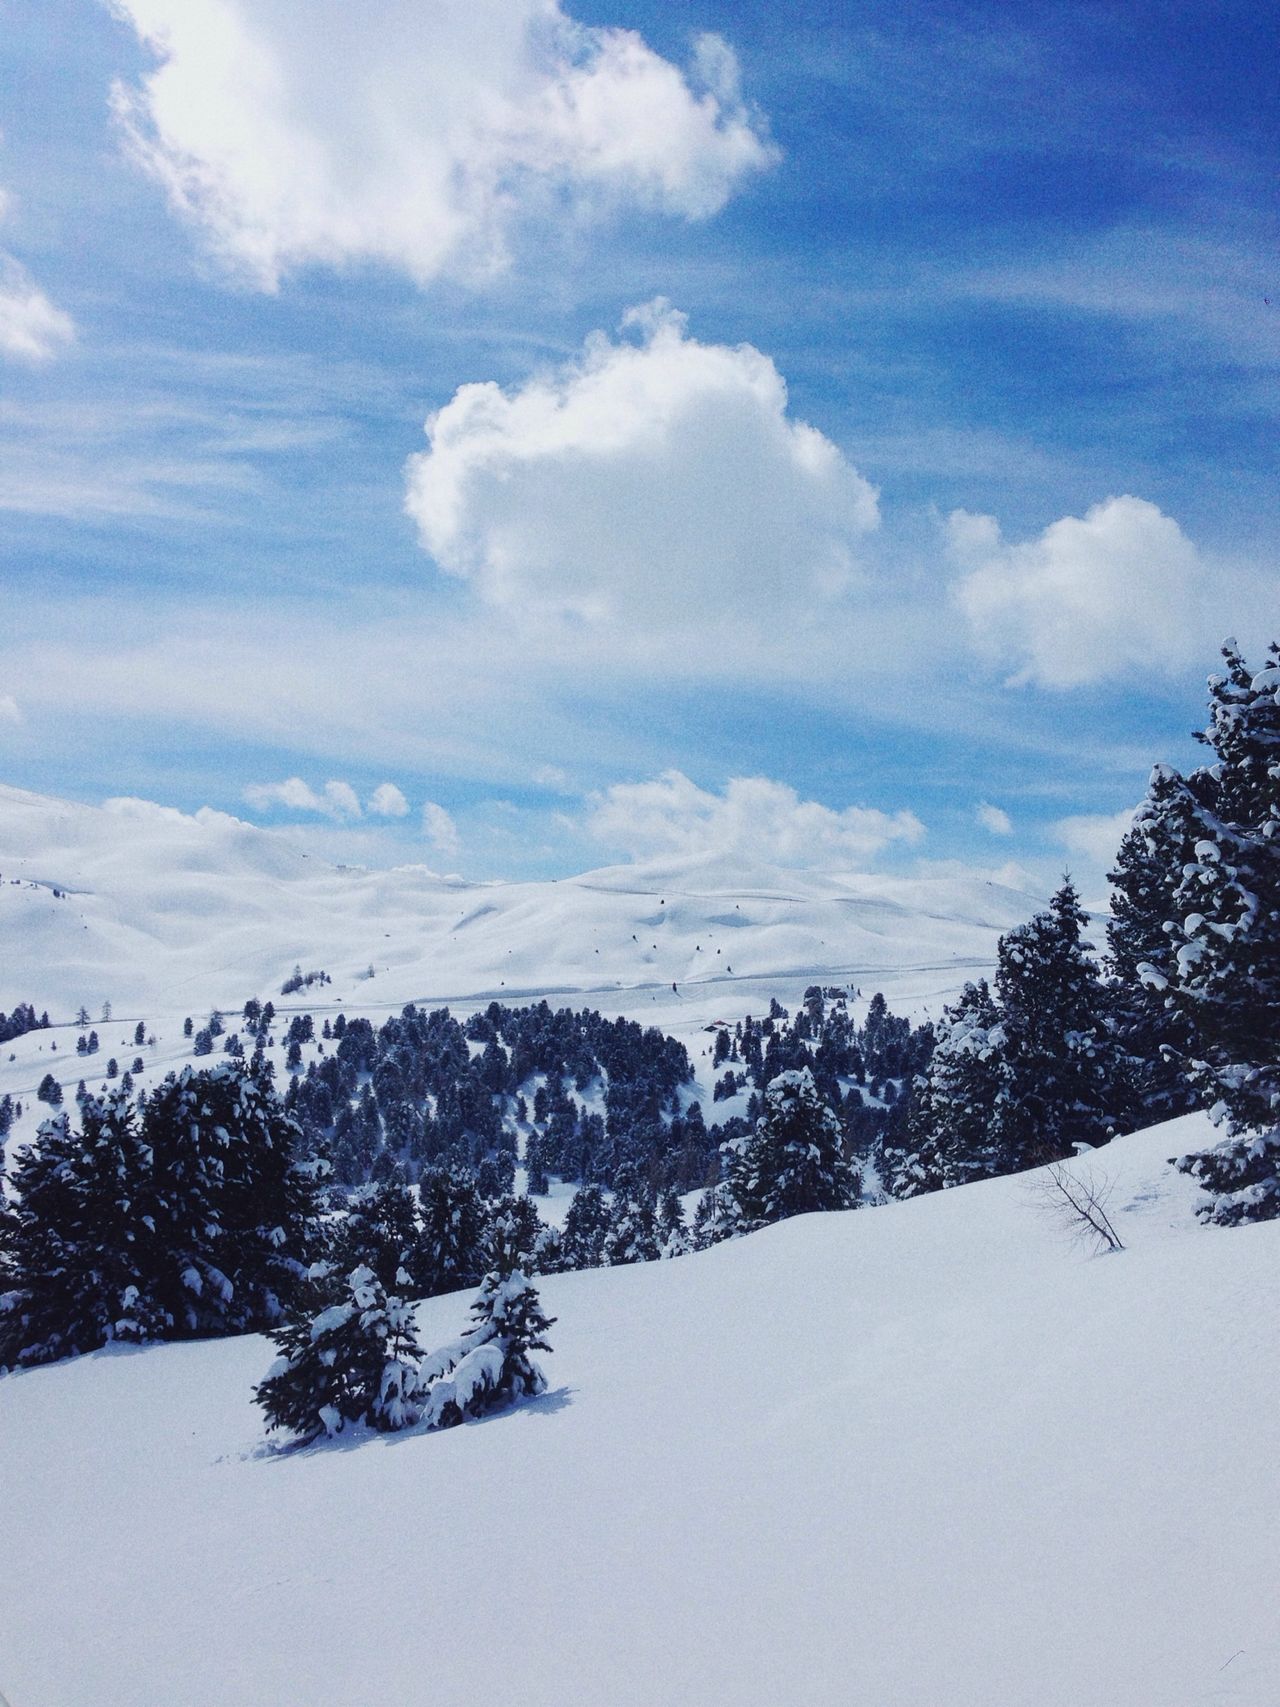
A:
[1061, 1071]
[633, 1226]
[235, 1199]
[673, 1235]
[380, 1231]
[450, 1252]
[1154, 1036]
[1227, 909]
[793, 1163]
[512, 1234]
[490, 1367]
[354, 1360]
[713, 1219]
[946, 1139]
[77, 1242]
[586, 1227]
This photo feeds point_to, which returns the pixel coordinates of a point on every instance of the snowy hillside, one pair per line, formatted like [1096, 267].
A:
[922, 1454]
[160, 912]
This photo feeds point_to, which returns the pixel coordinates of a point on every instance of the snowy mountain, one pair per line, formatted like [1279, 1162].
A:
[927, 1453]
[162, 912]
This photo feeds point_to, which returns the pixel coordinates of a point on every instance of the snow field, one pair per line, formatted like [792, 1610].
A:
[164, 913]
[927, 1453]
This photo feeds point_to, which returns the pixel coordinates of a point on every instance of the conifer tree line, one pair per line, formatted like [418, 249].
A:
[22, 1020]
[204, 1206]
[1183, 1012]
[185, 1213]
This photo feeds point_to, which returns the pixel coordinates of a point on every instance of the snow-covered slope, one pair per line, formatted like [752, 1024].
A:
[159, 911]
[919, 1455]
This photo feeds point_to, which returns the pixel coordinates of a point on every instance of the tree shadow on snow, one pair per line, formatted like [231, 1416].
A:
[274, 1451]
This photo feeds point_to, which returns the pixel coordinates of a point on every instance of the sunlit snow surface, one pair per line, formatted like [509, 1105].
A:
[925, 1455]
[161, 911]
[917, 1455]
[166, 915]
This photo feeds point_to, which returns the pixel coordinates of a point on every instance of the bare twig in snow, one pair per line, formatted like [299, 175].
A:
[1077, 1198]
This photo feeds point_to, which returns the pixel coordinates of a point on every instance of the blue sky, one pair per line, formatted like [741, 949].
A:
[876, 400]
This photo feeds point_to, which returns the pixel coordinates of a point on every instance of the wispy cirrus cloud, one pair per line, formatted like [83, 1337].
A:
[32, 328]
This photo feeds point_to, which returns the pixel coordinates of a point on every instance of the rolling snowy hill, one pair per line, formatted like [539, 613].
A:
[156, 910]
[916, 1455]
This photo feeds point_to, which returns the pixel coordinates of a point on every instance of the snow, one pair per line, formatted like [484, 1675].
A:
[921, 1454]
[164, 913]
[168, 915]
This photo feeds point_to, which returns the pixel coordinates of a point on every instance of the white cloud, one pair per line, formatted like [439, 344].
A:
[439, 828]
[341, 800]
[650, 482]
[553, 777]
[31, 328]
[754, 817]
[1121, 588]
[386, 801]
[414, 132]
[337, 799]
[994, 819]
[1093, 837]
[10, 711]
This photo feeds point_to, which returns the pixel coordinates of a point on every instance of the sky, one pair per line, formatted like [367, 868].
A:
[516, 437]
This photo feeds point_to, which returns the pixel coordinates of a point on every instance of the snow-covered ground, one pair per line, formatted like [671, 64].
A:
[167, 915]
[926, 1455]
[161, 912]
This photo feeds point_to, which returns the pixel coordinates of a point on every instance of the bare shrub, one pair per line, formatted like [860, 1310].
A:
[1075, 1198]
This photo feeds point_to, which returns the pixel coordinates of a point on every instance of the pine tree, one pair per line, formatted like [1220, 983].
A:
[713, 1220]
[535, 1167]
[78, 1257]
[794, 1162]
[633, 1225]
[947, 1136]
[490, 1367]
[673, 1235]
[1061, 1077]
[235, 1196]
[450, 1246]
[586, 1227]
[1155, 1037]
[1227, 908]
[511, 1235]
[355, 1360]
[380, 1231]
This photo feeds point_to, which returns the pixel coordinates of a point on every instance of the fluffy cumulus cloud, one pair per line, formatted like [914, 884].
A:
[413, 132]
[387, 801]
[652, 478]
[31, 328]
[10, 711]
[994, 819]
[439, 828]
[1120, 588]
[754, 817]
